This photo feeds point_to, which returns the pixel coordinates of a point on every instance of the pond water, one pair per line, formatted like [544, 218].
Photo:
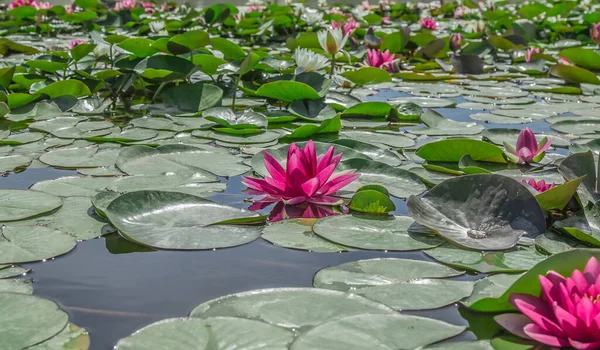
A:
[110, 288]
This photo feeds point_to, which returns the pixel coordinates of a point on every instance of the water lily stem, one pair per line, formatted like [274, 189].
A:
[332, 66]
[235, 85]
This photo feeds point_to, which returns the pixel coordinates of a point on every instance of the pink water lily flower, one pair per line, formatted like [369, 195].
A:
[595, 33]
[564, 61]
[527, 149]
[149, 8]
[540, 186]
[74, 43]
[124, 5]
[529, 53]
[565, 314]
[428, 23]
[308, 177]
[348, 27]
[253, 9]
[378, 59]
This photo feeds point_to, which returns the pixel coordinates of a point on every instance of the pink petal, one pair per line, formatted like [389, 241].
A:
[584, 345]
[545, 147]
[550, 291]
[326, 173]
[592, 271]
[274, 168]
[527, 140]
[525, 155]
[572, 327]
[311, 156]
[311, 186]
[324, 160]
[536, 332]
[585, 311]
[537, 310]
[580, 281]
[513, 323]
[260, 185]
[338, 182]
[295, 200]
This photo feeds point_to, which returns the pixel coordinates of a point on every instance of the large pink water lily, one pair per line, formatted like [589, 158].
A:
[378, 59]
[308, 177]
[527, 149]
[566, 314]
[540, 186]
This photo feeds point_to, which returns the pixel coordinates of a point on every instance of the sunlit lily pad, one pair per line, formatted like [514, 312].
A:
[485, 212]
[88, 157]
[19, 244]
[27, 320]
[21, 204]
[73, 186]
[171, 220]
[491, 287]
[8, 271]
[387, 331]
[298, 234]
[438, 125]
[12, 162]
[211, 333]
[71, 337]
[293, 308]
[374, 232]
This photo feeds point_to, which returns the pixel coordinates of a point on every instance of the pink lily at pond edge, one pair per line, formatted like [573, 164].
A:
[308, 177]
[540, 186]
[527, 149]
[566, 313]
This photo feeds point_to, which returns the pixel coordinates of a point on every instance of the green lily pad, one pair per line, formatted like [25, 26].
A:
[293, 308]
[20, 244]
[211, 333]
[10, 163]
[88, 157]
[8, 271]
[491, 287]
[452, 150]
[389, 139]
[178, 221]
[374, 232]
[298, 234]
[26, 320]
[21, 286]
[438, 125]
[552, 243]
[73, 186]
[483, 211]
[287, 91]
[387, 331]
[71, 337]
[23, 204]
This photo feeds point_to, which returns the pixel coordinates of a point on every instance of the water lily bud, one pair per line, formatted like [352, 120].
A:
[595, 33]
[456, 42]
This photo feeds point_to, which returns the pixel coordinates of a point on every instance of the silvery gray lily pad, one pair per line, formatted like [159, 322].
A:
[483, 211]
[172, 220]
[20, 244]
[438, 126]
[23, 204]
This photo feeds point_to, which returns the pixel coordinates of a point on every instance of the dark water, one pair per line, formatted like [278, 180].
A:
[112, 295]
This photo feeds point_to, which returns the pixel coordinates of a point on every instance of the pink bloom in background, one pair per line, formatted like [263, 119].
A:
[308, 177]
[378, 59]
[365, 6]
[595, 33]
[565, 314]
[149, 7]
[566, 62]
[529, 53]
[456, 42]
[37, 5]
[527, 148]
[168, 7]
[540, 186]
[348, 27]
[428, 23]
[253, 8]
[74, 43]
[41, 5]
[460, 12]
[385, 21]
[124, 5]
[336, 11]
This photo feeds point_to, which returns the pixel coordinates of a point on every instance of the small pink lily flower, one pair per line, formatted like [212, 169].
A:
[595, 33]
[74, 43]
[540, 186]
[365, 6]
[124, 5]
[348, 27]
[529, 53]
[456, 42]
[38, 5]
[378, 59]
[565, 314]
[168, 6]
[460, 12]
[308, 177]
[428, 23]
[149, 8]
[528, 149]
[254, 8]
[336, 11]
[566, 62]
[385, 21]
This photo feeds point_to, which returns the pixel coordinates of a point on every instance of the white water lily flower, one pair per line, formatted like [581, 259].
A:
[156, 26]
[332, 40]
[322, 3]
[312, 16]
[308, 61]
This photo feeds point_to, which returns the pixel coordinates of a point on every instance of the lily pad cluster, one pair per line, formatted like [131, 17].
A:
[156, 112]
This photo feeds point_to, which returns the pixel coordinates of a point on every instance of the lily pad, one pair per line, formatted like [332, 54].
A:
[71, 337]
[20, 244]
[387, 331]
[23, 204]
[452, 150]
[438, 125]
[88, 157]
[12, 162]
[26, 320]
[178, 221]
[298, 234]
[21, 286]
[374, 232]
[211, 333]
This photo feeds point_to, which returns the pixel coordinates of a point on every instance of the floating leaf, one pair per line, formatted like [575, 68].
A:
[23, 204]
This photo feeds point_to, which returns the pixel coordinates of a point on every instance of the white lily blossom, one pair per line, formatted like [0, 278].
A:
[308, 61]
[332, 40]
[312, 16]
[157, 27]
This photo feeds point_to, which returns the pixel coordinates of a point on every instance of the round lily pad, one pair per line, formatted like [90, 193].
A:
[19, 244]
[22, 286]
[298, 234]
[73, 186]
[215, 333]
[71, 337]
[26, 320]
[370, 332]
[293, 308]
[12, 162]
[374, 232]
[22, 204]
[8, 271]
[88, 157]
[482, 211]
[172, 220]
